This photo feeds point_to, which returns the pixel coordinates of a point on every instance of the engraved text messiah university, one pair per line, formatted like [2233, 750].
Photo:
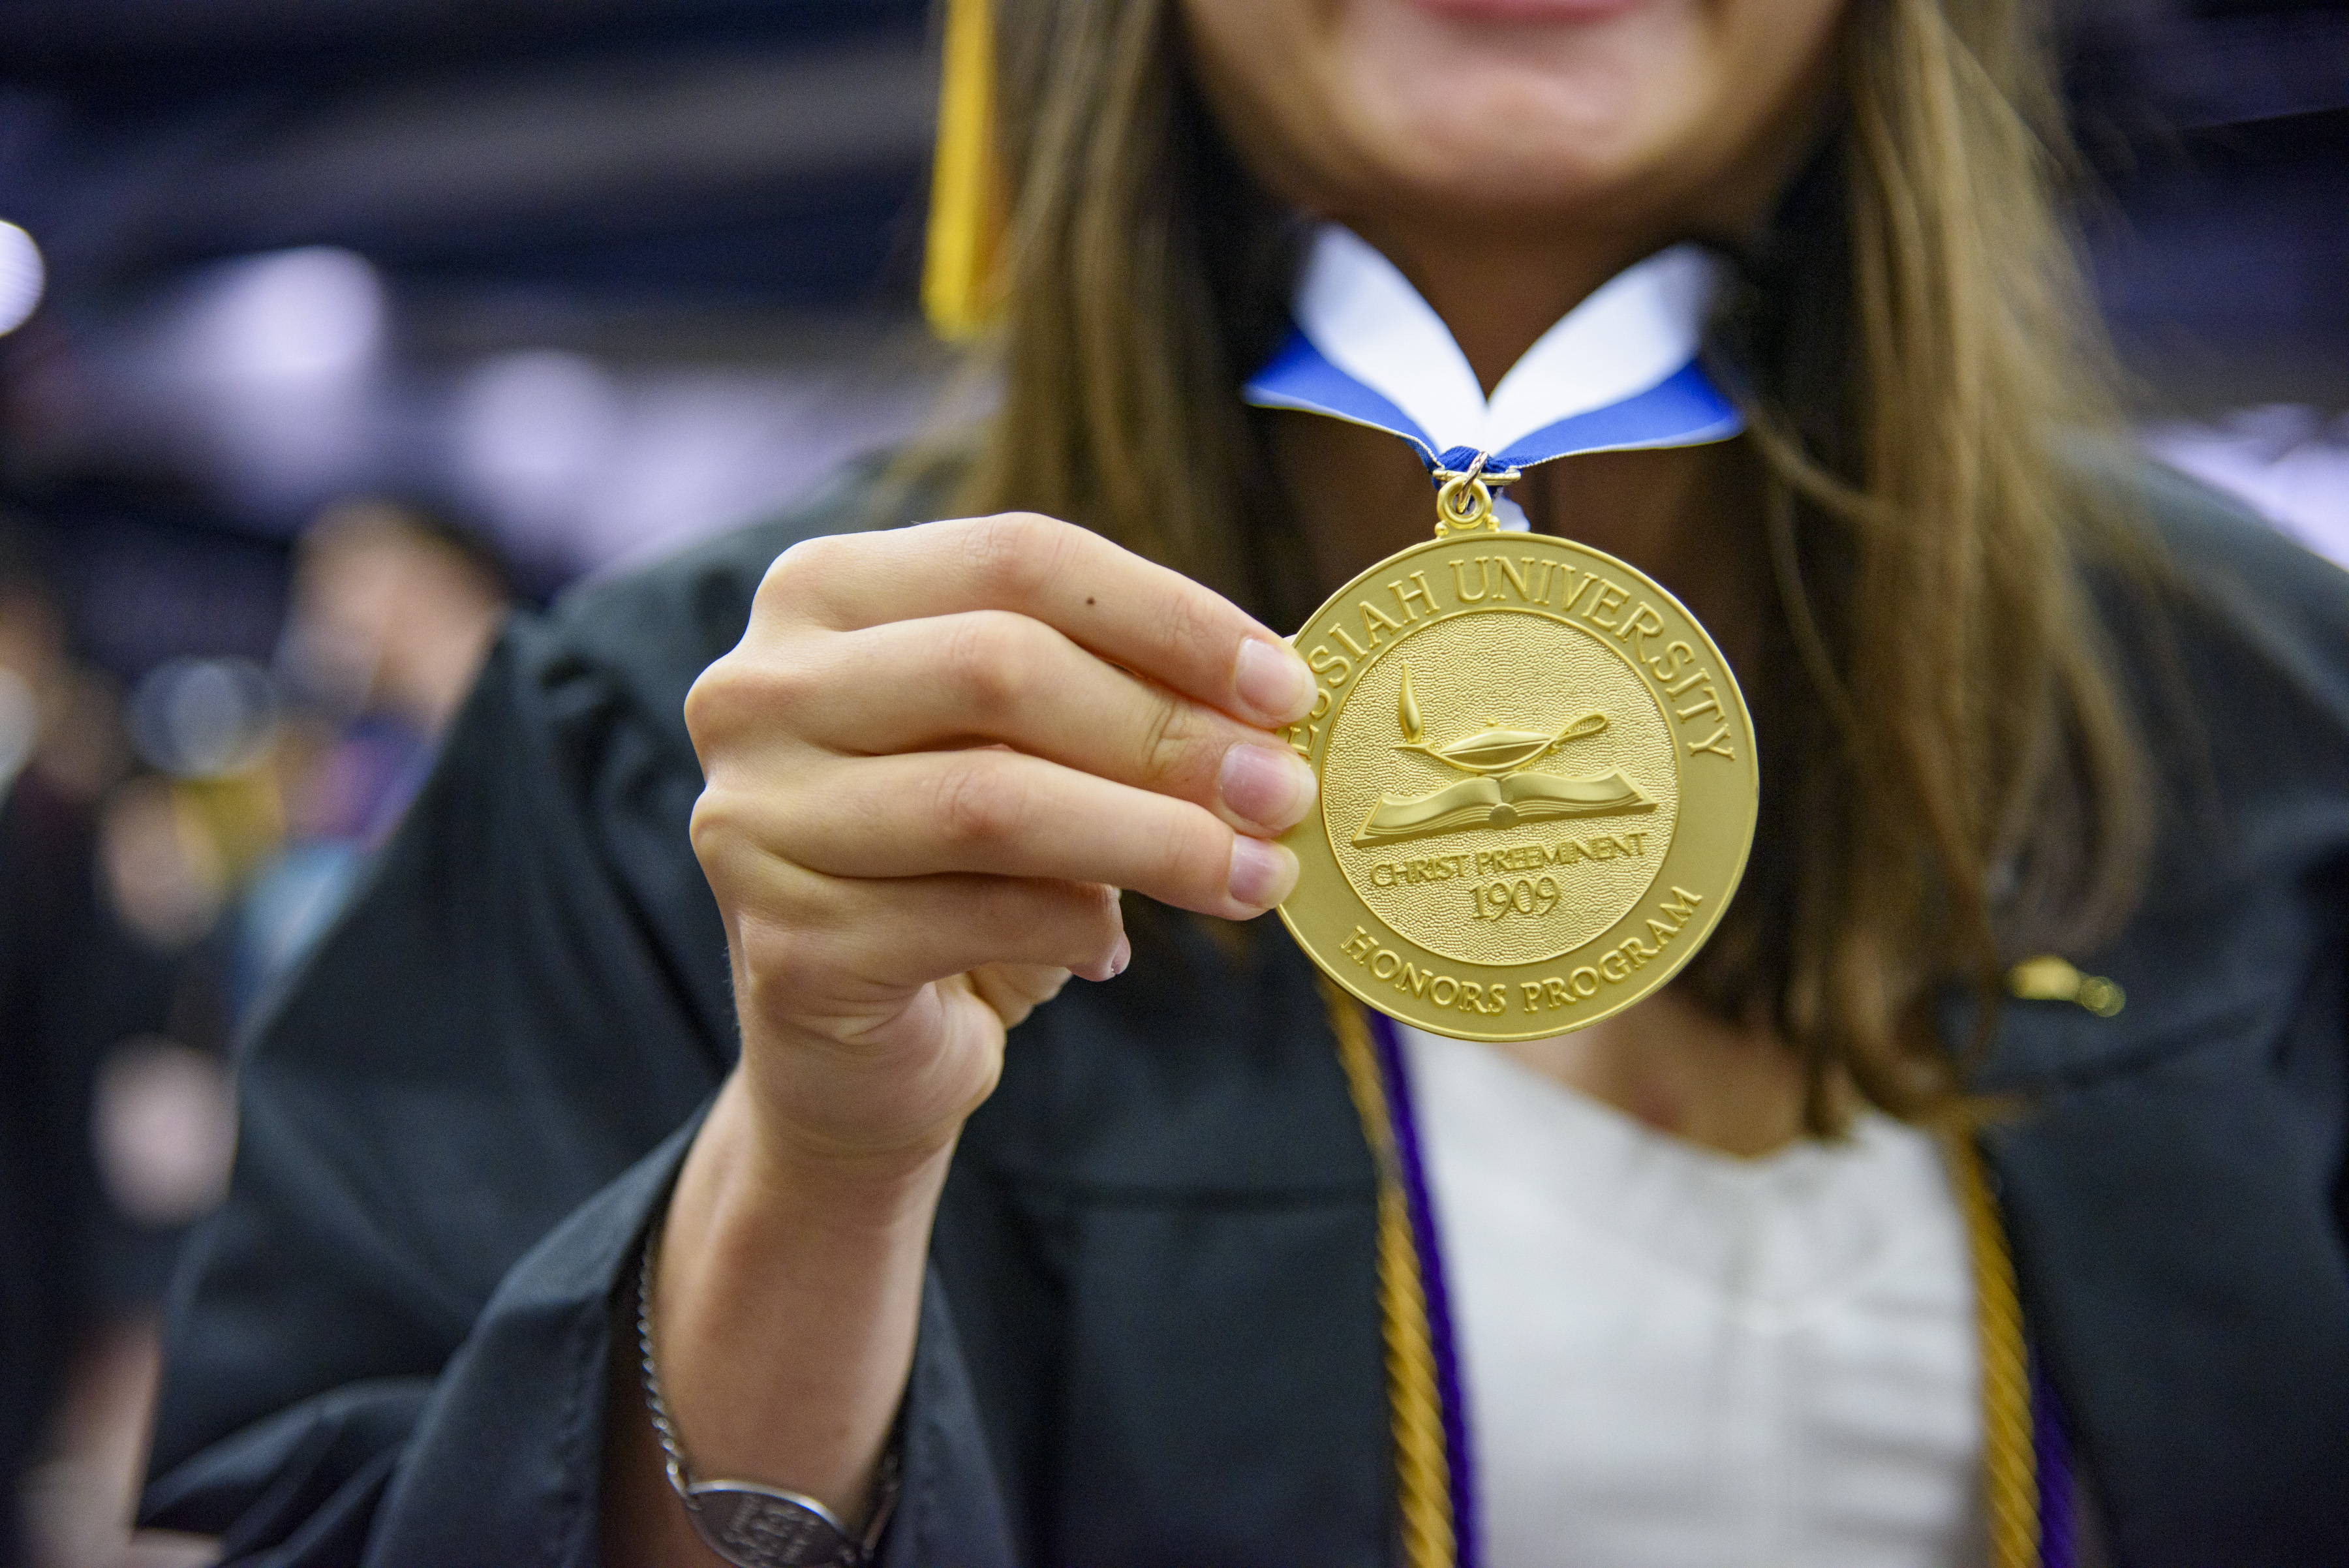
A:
[1677, 671]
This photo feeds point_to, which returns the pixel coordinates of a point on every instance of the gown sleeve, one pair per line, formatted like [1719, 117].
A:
[391, 1343]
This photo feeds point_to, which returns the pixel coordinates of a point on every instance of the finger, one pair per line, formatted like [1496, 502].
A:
[995, 676]
[1123, 607]
[1009, 814]
[825, 946]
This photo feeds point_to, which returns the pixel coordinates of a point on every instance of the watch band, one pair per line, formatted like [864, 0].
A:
[748, 1524]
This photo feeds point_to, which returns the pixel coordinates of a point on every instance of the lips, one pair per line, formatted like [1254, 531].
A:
[1523, 12]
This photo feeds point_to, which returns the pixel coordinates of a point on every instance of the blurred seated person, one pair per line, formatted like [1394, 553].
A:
[708, 1025]
[394, 608]
[392, 613]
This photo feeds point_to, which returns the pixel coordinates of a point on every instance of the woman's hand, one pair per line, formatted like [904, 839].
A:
[934, 757]
[933, 760]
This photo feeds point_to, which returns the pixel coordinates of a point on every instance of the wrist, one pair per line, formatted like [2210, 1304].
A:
[785, 1298]
[746, 1522]
[820, 1178]
[867, 1116]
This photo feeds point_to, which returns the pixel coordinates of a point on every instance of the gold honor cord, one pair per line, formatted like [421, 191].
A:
[1423, 1469]
[2009, 1454]
[2010, 1461]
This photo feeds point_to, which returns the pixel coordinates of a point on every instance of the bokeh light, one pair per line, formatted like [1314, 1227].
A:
[22, 276]
[294, 318]
[202, 718]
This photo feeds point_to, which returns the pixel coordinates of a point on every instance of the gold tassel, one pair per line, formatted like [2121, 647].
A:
[966, 196]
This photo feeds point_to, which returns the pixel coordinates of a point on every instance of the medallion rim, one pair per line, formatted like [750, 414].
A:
[1319, 885]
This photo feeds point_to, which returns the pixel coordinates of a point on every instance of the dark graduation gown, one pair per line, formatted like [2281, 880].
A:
[1150, 1331]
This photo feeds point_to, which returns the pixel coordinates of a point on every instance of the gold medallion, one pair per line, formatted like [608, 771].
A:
[1537, 782]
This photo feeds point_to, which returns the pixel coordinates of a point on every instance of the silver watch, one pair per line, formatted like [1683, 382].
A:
[750, 1526]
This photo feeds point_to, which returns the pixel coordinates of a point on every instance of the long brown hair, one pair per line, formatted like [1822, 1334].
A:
[1950, 776]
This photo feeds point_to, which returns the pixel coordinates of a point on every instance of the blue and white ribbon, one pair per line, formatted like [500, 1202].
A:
[1618, 373]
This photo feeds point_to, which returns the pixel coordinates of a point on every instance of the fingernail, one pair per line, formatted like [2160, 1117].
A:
[1122, 957]
[1262, 874]
[1273, 681]
[1268, 785]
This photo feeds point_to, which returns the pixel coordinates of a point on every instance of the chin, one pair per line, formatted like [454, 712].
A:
[1530, 137]
[1499, 109]
[1490, 98]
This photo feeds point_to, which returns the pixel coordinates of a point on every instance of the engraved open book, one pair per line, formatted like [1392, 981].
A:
[1499, 803]
[1500, 793]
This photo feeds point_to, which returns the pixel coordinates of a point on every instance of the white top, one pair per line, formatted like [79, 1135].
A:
[1676, 1357]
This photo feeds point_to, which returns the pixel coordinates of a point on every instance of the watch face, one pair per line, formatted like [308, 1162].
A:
[1537, 787]
[752, 1527]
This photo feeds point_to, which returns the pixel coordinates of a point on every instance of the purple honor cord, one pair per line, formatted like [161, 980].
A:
[2054, 1448]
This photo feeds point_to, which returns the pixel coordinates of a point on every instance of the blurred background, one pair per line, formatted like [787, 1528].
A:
[328, 331]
